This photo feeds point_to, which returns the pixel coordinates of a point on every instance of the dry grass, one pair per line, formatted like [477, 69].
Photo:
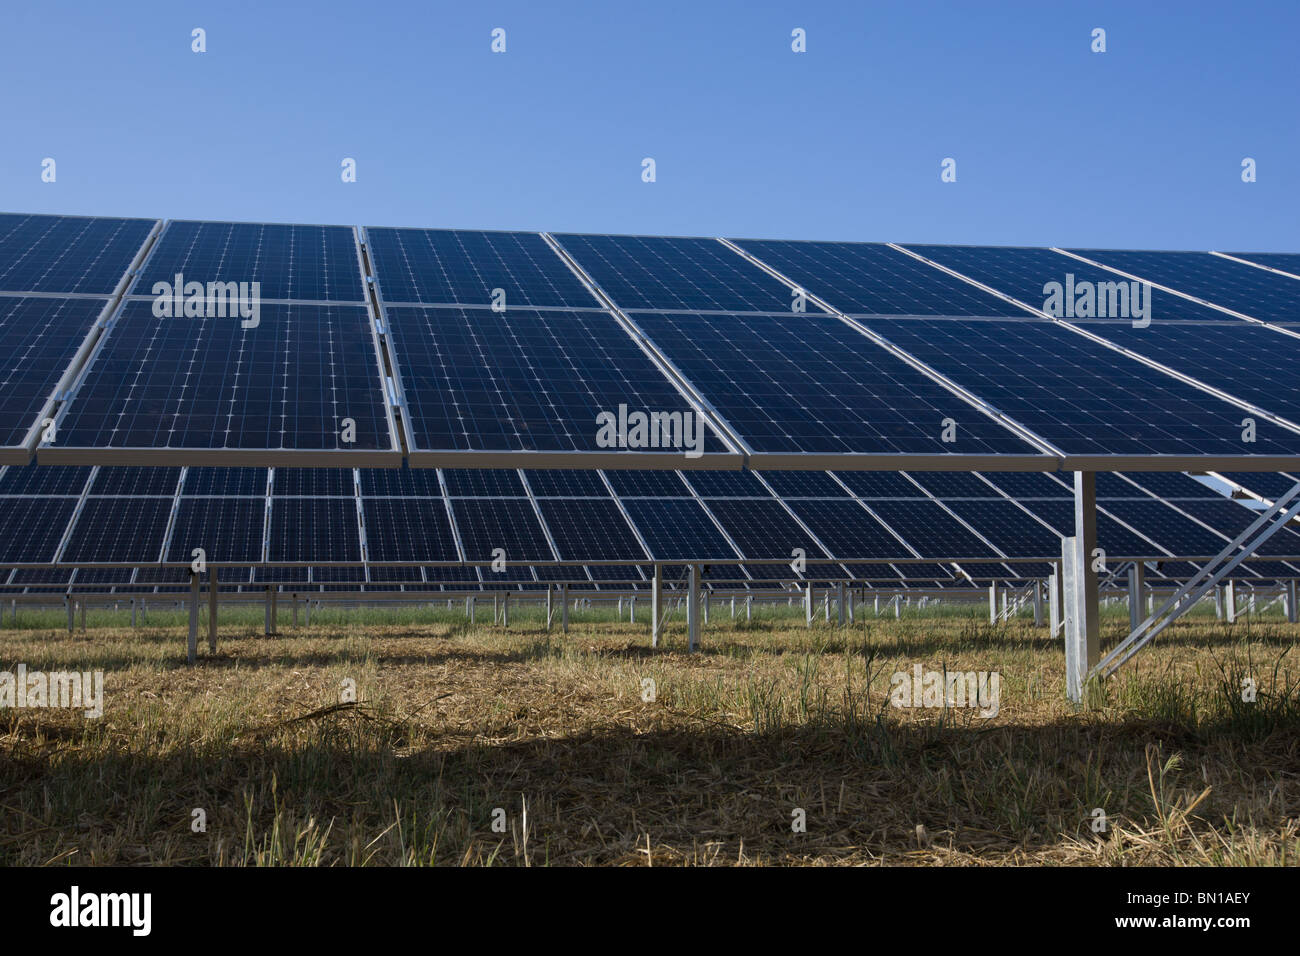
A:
[452, 723]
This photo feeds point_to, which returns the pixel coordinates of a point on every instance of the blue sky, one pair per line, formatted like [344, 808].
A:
[1140, 146]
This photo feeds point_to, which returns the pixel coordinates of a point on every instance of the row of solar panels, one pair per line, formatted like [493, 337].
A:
[917, 357]
[915, 526]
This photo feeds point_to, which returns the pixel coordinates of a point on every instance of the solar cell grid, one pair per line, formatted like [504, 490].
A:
[590, 529]
[119, 529]
[930, 530]
[1112, 536]
[726, 484]
[1172, 485]
[227, 529]
[1023, 272]
[68, 254]
[1162, 524]
[226, 482]
[677, 529]
[763, 529]
[400, 482]
[1242, 288]
[43, 480]
[200, 383]
[464, 267]
[314, 529]
[866, 278]
[880, 484]
[508, 524]
[523, 380]
[39, 337]
[1011, 530]
[1030, 484]
[408, 529]
[314, 482]
[309, 263]
[647, 484]
[563, 483]
[482, 483]
[954, 484]
[1084, 398]
[847, 529]
[804, 484]
[1266, 484]
[1231, 518]
[664, 272]
[133, 481]
[1288, 262]
[31, 528]
[810, 383]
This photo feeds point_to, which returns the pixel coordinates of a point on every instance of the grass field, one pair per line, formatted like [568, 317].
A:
[454, 727]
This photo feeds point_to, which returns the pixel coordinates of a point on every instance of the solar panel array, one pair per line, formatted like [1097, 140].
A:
[471, 354]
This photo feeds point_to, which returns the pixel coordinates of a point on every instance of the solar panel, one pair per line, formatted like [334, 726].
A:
[804, 484]
[39, 338]
[309, 263]
[128, 481]
[119, 530]
[1230, 519]
[400, 483]
[313, 482]
[1011, 530]
[865, 278]
[1030, 484]
[68, 254]
[1112, 536]
[483, 483]
[174, 385]
[677, 529]
[1166, 485]
[523, 380]
[506, 523]
[647, 484]
[810, 383]
[585, 529]
[1282, 261]
[227, 529]
[1082, 397]
[464, 267]
[847, 529]
[726, 484]
[409, 529]
[1269, 485]
[764, 529]
[930, 530]
[954, 484]
[563, 483]
[664, 272]
[1023, 273]
[31, 528]
[1174, 532]
[311, 530]
[225, 482]
[43, 480]
[1242, 288]
[879, 484]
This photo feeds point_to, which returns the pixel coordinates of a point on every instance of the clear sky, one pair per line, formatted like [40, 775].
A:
[1140, 146]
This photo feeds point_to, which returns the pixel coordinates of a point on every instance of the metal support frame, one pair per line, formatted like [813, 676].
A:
[993, 602]
[1137, 585]
[1038, 603]
[192, 640]
[1082, 610]
[1277, 517]
[808, 604]
[1229, 601]
[550, 605]
[657, 606]
[212, 609]
[1291, 613]
[693, 609]
[839, 600]
[564, 608]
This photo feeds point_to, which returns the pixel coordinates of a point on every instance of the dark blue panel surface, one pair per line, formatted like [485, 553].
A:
[1117, 540]
[483, 482]
[1009, 529]
[726, 484]
[314, 263]
[677, 529]
[764, 529]
[1230, 519]
[400, 482]
[657, 272]
[810, 383]
[119, 529]
[1233, 285]
[1173, 531]
[506, 523]
[411, 529]
[867, 278]
[1022, 273]
[314, 529]
[804, 484]
[38, 339]
[31, 528]
[954, 484]
[590, 529]
[848, 530]
[1284, 261]
[565, 483]
[464, 267]
[1266, 484]
[647, 484]
[227, 529]
[313, 482]
[1079, 395]
[67, 253]
[521, 380]
[289, 383]
[132, 481]
[44, 480]
[226, 482]
[880, 484]
[1171, 484]
[930, 530]
[1030, 484]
